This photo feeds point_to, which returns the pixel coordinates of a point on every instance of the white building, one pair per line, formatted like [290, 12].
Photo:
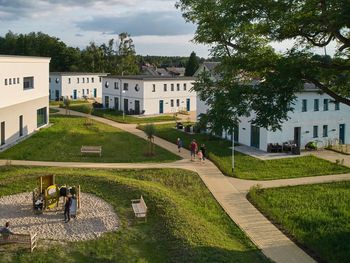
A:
[75, 85]
[24, 101]
[149, 95]
[316, 117]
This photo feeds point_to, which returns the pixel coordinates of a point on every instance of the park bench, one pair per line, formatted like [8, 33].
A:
[140, 208]
[30, 239]
[91, 149]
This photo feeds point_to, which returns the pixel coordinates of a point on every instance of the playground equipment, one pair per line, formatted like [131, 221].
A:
[47, 195]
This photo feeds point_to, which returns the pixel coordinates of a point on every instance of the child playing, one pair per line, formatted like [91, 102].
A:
[200, 156]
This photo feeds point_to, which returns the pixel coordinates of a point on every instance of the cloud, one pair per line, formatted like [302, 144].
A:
[139, 24]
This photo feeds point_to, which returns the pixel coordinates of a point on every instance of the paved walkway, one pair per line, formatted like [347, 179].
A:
[333, 156]
[256, 153]
[229, 192]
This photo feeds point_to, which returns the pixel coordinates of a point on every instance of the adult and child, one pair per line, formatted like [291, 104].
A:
[201, 152]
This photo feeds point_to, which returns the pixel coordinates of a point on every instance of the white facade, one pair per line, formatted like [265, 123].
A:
[148, 95]
[326, 124]
[24, 101]
[75, 85]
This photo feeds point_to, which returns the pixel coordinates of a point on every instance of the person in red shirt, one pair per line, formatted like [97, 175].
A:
[194, 148]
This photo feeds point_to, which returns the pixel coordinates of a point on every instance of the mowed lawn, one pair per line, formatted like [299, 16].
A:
[185, 223]
[118, 116]
[63, 140]
[317, 216]
[247, 167]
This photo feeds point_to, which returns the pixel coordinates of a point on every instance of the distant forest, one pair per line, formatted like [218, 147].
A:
[116, 56]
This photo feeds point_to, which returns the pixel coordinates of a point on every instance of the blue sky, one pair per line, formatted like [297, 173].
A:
[156, 26]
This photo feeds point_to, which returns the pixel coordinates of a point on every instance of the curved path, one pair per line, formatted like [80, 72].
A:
[229, 192]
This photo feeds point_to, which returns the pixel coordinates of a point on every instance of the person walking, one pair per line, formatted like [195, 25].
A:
[194, 149]
[200, 156]
[67, 206]
[6, 231]
[179, 144]
[203, 148]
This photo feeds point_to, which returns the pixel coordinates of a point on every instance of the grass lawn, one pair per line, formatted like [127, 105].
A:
[63, 140]
[72, 102]
[317, 216]
[185, 223]
[118, 116]
[247, 167]
[52, 110]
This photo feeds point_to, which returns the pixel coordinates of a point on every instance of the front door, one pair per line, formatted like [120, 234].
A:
[57, 94]
[126, 105]
[297, 136]
[2, 142]
[255, 136]
[75, 94]
[342, 133]
[161, 106]
[137, 107]
[188, 104]
[116, 103]
[95, 93]
[107, 102]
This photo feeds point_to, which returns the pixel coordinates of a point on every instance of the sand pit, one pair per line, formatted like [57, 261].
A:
[96, 217]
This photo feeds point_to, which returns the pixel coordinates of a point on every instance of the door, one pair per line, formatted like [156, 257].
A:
[126, 105]
[137, 107]
[57, 94]
[95, 93]
[342, 133]
[20, 125]
[107, 102]
[255, 136]
[297, 136]
[161, 106]
[2, 133]
[75, 94]
[188, 104]
[116, 103]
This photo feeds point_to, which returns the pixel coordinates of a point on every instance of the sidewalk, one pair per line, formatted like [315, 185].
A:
[333, 156]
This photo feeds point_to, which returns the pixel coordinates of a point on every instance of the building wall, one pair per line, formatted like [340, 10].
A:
[68, 83]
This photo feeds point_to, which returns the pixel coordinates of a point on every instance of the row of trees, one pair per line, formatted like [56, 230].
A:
[117, 56]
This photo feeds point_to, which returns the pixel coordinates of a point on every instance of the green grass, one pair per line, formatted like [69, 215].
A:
[247, 167]
[52, 110]
[317, 216]
[118, 116]
[72, 102]
[185, 223]
[63, 140]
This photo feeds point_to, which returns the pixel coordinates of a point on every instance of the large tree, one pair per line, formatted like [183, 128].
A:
[252, 76]
[192, 65]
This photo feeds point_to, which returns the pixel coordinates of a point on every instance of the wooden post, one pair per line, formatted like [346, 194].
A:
[79, 196]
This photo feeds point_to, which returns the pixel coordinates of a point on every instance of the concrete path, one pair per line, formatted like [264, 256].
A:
[333, 156]
[256, 153]
[229, 192]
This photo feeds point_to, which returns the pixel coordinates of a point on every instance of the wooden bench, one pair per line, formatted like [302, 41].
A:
[30, 239]
[140, 208]
[91, 149]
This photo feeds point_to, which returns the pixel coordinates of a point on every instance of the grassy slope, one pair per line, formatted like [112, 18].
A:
[185, 223]
[247, 167]
[118, 117]
[318, 216]
[72, 102]
[62, 142]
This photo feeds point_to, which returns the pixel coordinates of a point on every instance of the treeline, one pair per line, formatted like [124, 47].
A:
[117, 56]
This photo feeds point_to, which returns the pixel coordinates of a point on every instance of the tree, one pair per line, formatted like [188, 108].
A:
[252, 76]
[192, 65]
[150, 130]
[126, 55]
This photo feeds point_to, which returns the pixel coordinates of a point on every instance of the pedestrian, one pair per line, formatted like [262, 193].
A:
[6, 231]
[203, 148]
[67, 206]
[194, 149]
[200, 156]
[179, 144]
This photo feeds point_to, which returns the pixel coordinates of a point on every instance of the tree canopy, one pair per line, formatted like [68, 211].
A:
[253, 77]
[192, 65]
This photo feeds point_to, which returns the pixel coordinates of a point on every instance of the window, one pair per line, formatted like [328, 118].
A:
[316, 104]
[336, 105]
[10, 81]
[315, 132]
[172, 87]
[5, 82]
[165, 87]
[116, 85]
[69, 81]
[137, 87]
[126, 86]
[77, 80]
[185, 86]
[17, 80]
[325, 104]
[304, 106]
[49, 80]
[87, 91]
[28, 83]
[83, 92]
[87, 80]
[14, 80]
[154, 88]
[171, 103]
[57, 80]
[178, 87]
[100, 79]
[325, 130]
[107, 84]
[92, 80]
[177, 103]
[83, 80]
[41, 117]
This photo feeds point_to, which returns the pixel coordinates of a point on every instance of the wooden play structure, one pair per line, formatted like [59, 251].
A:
[47, 195]
[27, 239]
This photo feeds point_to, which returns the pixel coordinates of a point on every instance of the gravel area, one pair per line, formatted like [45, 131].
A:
[95, 218]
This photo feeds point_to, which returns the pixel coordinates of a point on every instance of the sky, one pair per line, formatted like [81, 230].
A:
[156, 26]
